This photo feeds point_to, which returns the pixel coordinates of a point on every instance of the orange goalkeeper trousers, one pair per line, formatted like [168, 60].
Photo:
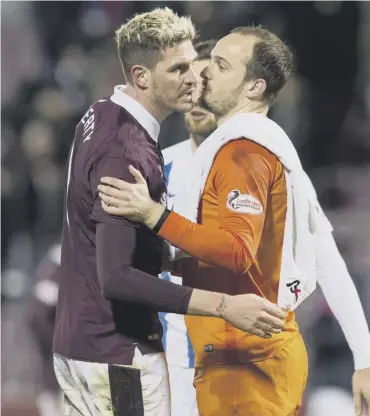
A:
[273, 387]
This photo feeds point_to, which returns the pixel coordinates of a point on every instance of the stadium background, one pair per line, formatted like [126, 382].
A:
[58, 57]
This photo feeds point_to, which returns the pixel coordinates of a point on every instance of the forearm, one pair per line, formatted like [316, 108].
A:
[119, 280]
[132, 285]
[135, 286]
[205, 303]
[210, 245]
[342, 298]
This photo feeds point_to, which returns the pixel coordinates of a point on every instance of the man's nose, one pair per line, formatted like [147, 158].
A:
[205, 74]
[191, 78]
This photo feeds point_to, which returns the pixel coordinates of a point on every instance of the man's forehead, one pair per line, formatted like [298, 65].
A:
[233, 45]
[181, 52]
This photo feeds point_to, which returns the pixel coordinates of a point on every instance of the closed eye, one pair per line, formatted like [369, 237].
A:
[222, 64]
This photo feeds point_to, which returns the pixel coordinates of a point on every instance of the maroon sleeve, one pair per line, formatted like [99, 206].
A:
[116, 167]
[115, 246]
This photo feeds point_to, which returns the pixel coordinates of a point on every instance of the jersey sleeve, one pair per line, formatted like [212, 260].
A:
[116, 167]
[242, 176]
[342, 297]
[120, 280]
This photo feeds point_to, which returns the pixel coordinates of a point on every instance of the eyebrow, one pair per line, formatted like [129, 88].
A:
[184, 62]
[220, 59]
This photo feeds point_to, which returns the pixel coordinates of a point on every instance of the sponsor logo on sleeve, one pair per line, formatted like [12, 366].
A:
[243, 203]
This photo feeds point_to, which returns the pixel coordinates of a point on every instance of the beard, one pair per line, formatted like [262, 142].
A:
[205, 103]
[220, 105]
[202, 128]
[168, 100]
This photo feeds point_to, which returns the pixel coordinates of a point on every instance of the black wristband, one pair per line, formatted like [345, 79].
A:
[161, 221]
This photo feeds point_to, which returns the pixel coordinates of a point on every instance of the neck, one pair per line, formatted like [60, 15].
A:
[196, 141]
[249, 107]
[158, 113]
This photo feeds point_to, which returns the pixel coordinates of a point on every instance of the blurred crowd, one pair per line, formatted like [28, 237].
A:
[58, 57]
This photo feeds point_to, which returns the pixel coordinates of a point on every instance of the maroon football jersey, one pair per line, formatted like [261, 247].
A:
[89, 326]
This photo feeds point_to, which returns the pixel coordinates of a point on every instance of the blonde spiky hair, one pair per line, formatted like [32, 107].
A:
[141, 39]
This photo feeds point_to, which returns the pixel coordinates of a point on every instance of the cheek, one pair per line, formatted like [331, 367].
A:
[220, 87]
[170, 87]
[221, 80]
[173, 86]
[229, 83]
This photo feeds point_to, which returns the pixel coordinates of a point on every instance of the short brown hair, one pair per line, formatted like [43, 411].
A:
[272, 60]
[204, 49]
[141, 39]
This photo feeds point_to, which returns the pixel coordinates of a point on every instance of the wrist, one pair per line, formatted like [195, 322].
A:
[204, 303]
[222, 306]
[154, 214]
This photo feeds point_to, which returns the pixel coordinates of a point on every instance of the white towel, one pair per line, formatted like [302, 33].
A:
[304, 215]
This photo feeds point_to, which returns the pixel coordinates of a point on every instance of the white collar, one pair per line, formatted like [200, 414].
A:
[142, 115]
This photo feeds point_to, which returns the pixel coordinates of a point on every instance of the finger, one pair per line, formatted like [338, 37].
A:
[137, 175]
[367, 401]
[272, 320]
[357, 401]
[111, 210]
[110, 191]
[267, 328]
[367, 407]
[274, 310]
[260, 333]
[108, 200]
[115, 182]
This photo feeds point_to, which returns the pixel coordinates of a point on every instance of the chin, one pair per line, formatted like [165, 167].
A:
[204, 128]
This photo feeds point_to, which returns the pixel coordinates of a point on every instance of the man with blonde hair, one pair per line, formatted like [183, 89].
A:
[108, 355]
[252, 221]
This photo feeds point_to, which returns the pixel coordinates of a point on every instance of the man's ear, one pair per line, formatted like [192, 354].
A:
[255, 88]
[140, 76]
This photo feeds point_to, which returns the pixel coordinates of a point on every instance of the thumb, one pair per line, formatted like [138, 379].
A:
[137, 175]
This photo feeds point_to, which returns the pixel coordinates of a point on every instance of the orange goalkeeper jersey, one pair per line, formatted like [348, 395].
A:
[238, 241]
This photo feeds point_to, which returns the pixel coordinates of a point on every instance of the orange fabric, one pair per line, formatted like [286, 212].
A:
[238, 252]
[273, 387]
